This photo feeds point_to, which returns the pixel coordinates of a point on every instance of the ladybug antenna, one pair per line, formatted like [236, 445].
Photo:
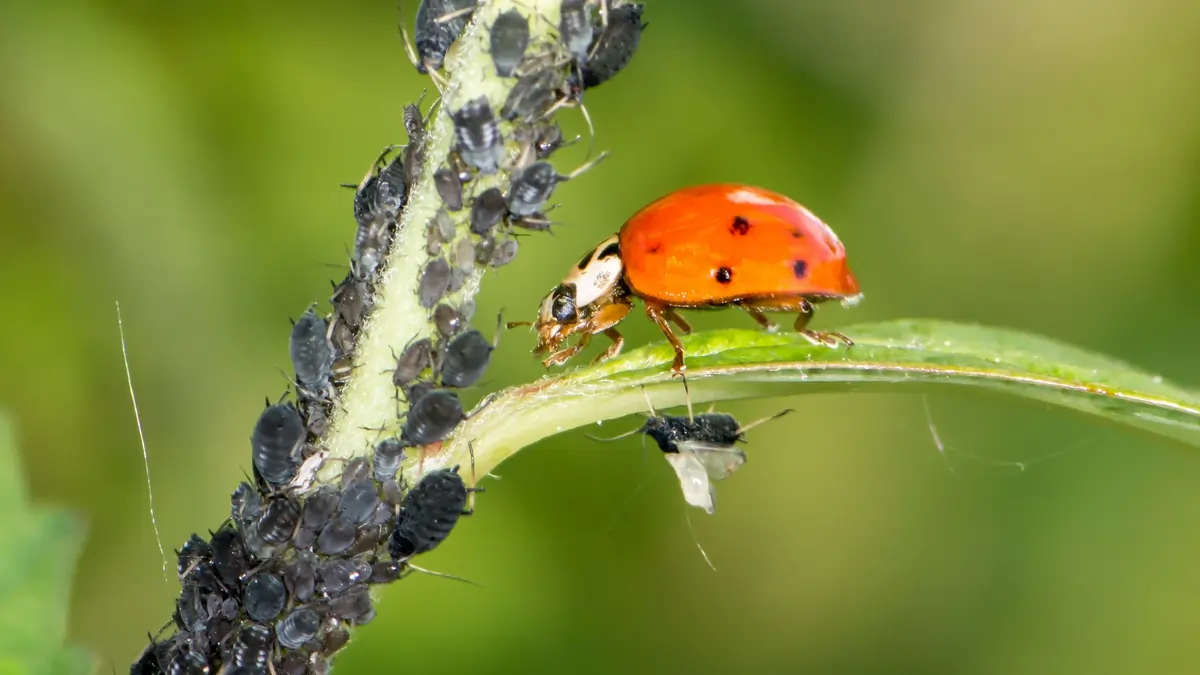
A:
[748, 427]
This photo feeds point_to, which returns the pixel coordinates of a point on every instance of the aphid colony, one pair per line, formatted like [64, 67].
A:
[277, 586]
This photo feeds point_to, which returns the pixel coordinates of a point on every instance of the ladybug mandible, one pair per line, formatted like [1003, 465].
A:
[700, 247]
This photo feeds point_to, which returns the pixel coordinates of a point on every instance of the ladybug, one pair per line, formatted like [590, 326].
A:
[701, 247]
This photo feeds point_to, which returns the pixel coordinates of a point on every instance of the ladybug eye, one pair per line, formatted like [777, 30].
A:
[562, 307]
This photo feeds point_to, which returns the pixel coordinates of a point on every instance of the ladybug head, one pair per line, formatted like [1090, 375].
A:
[558, 317]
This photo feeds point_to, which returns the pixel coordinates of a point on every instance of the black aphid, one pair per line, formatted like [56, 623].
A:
[389, 454]
[432, 417]
[190, 613]
[509, 39]
[194, 551]
[244, 505]
[278, 520]
[297, 628]
[377, 203]
[429, 513]
[465, 358]
[485, 250]
[293, 662]
[614, 47]
[318, 510]
[449, 188]
[414, 152]
[477, 137]
[252, 649]
[537, 141]
[154, 659]
[312, 353]
[278, 435]
[188, 662]
[575, 27]
[487, 210]
[336, 537]
[384, 572]
[458, 279]
[671, 430]
[413, 361]
[349, 300]
[336, 576]
[300, 576]
[359, 501]
[264, 597]
[439, 23]
[434, 282]
[533, 94]
[368, 538]
[335, 640]
[448, 320]
[353, 605]
[229, 556]
[356, 470]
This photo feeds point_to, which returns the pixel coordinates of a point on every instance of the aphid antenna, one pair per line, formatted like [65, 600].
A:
[586, 166]
[603, 16]
[743, 429]
[516, 324]
[137, 416]
[482, 405]
[439, 82]
[450, 16]
[443, 575]
[568, 102]
[627, 434]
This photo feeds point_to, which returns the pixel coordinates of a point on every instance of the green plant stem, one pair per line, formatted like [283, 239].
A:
[892, 356]
[369, 404]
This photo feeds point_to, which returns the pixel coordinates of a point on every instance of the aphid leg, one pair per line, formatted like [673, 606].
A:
[514, 324]
[820, 338]
[137, 416]
[743, 429]
[657, 314]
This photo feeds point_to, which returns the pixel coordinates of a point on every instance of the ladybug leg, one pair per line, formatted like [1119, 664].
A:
[658, 314]
[674, 317]
[819, 338]
[561, 357]
[614, 348]
[767, 324]
[603, 322]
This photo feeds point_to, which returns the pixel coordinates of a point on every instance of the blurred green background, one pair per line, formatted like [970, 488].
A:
[1025, 163]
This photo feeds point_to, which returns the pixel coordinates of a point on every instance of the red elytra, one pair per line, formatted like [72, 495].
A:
[701, 247]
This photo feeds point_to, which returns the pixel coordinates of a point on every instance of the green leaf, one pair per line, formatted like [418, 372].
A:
[37, 563]
[903, 355]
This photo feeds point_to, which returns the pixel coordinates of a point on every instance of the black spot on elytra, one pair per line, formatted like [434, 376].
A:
[740, 226]
[610, 250]
[799, 268]
[654, 248]
[797, 234]
[724, 275]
